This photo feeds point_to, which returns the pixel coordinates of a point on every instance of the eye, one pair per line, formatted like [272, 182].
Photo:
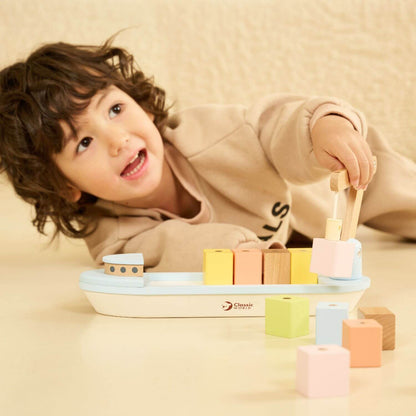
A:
[114, 110]
[83, 144]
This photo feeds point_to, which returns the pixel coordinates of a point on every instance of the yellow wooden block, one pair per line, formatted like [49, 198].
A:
[218, 267]
[300, 260]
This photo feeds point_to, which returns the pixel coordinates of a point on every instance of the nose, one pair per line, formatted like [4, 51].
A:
[117, 139]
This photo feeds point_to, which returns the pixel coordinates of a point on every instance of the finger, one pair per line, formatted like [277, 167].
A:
[363, 166]
[347, 156]
[353, 168]
[372, 165]
[365, 162]
[330, 162]
[364, 172]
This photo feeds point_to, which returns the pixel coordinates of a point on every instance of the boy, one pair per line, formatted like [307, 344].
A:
[86, 139]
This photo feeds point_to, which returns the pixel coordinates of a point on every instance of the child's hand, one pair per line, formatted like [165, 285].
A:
[338, 146]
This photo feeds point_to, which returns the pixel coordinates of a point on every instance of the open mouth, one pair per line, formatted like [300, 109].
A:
[135, 165]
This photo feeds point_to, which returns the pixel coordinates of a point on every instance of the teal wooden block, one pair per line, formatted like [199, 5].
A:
[329, 317]
[287, 316]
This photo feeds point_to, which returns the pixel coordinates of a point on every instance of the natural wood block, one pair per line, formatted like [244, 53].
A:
[386, 319]
[300, 262]
[363, 337]
[276, 266]
[218, 267]
[248, 266]
[287, 316]
[323, 370]
[339, 181]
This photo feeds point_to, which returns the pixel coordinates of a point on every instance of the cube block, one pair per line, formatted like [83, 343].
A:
[329, 317]
[287, 316]
[363, 338]
[218, 267]
[300, 261]
[322, 370]
[332, 258]
[248, 266]
[386, 319]
[276, 266]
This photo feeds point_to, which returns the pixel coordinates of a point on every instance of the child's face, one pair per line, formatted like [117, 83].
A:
[118, 152]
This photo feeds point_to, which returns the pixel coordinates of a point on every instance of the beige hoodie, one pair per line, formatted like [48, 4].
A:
[253, 171]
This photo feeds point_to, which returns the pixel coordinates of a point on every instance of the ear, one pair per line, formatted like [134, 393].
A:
[71, 193]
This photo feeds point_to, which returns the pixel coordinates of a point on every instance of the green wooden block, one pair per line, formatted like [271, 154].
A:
[287, 316]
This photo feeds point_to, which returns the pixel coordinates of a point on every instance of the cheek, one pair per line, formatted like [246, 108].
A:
[94, 177]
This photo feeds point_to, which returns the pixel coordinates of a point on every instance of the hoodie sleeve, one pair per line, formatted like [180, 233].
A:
[166, 244]
[283, 125]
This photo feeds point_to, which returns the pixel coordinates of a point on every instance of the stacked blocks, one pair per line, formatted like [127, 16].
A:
[218, 267]
[276, 266]
[322, 370]
[329, 317]
[248, 267]
[386, 319]
[334, 258]
[363, 337]
[287, 316]
[256, 267]
[300, 260]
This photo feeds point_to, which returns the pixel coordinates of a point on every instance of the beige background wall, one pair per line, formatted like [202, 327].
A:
[237, 50]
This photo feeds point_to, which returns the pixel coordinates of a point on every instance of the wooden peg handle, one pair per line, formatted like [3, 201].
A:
[339, 181]
[350, 223]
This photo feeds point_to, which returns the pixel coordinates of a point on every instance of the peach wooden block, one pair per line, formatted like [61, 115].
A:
[276, 266]
[332, 258]
[386, 319]
[248, 266]
[322, 370]
[363, 337]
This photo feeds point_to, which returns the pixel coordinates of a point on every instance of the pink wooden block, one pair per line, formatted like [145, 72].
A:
[322, 370]
[248, 266]
[332, 258]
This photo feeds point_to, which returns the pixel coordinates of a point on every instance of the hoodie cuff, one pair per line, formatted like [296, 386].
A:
[332, 109]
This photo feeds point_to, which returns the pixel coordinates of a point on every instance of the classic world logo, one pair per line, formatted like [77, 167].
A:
[227, 306]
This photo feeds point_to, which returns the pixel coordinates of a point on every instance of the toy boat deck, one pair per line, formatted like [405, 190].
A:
[185, 295]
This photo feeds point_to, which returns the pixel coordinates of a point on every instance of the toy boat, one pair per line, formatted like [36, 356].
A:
[185, 295]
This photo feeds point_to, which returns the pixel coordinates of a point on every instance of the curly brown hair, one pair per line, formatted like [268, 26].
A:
[54, 85]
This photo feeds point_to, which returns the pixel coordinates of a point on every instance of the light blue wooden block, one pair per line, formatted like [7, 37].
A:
[329, 317]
